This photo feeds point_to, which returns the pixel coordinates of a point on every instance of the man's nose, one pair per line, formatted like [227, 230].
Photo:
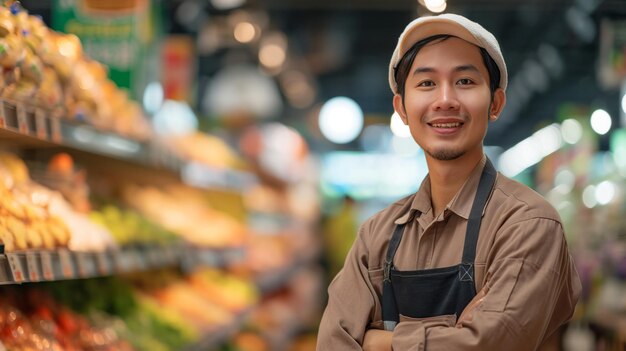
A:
[446, 98]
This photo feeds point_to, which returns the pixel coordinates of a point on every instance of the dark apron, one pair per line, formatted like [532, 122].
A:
[438, 291]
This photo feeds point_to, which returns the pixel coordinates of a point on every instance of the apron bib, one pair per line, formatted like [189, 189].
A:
[437, 291]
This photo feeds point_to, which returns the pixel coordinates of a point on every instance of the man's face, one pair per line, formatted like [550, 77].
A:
[447, 102]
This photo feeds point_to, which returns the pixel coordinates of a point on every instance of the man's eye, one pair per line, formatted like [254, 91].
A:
[465, 81]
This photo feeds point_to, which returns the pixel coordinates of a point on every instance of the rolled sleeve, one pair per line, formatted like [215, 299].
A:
[352, 303]
[532, 288]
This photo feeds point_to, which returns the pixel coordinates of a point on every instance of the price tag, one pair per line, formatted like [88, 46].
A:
[129, 261]
[165, 255]
[117, 260]
[83, 264]
[123, 261]
[157, 257]
[67, 266]
[234, 256]
[17, 269]
[103, 263]
[55, 130]
[32, 262]
[46, 265]
[209, 258]
[141, 259]
[3, 118]
[40, 124]
[22, 119]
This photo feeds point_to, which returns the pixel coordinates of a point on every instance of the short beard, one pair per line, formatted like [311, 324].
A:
[445, 155]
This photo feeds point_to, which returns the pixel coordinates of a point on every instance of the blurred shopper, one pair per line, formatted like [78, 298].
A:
[473, 260]
[339, 232]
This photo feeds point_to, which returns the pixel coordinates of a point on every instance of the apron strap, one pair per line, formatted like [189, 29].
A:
[394, 243]
[487, 180]
[390, 308]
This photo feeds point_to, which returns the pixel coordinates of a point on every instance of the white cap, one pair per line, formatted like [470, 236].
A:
[451, 24]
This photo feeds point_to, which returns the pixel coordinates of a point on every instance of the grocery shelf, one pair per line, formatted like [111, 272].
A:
[50, 265]
[28, 126]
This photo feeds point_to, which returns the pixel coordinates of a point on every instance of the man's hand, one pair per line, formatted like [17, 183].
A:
[377, 340]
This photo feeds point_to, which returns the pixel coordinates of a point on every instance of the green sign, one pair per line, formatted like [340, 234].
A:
[115, 33]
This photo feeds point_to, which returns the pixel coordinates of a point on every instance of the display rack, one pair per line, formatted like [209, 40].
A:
[34, 128]
[51, 265]
[29, 126]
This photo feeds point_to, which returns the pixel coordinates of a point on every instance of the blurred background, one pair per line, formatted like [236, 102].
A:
[190, 174]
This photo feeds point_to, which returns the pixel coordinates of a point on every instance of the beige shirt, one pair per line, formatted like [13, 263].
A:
[530, 283]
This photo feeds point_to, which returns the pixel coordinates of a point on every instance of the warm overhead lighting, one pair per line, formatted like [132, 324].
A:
[272, 55]
[244, 32]
[273, 50]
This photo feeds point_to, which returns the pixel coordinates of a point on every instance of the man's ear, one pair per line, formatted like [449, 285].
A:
[497, 105]
[398, 105]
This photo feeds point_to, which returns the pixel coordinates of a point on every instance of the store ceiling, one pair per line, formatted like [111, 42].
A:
[361, 34]
[524, 28]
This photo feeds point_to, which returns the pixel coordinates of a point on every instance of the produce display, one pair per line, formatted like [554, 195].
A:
[185, 212]
[128, 227]
[49, 69]
[31, 320]
[205, 149]
[36, 216]
[56, 205]
[33, 216]
[166, 312]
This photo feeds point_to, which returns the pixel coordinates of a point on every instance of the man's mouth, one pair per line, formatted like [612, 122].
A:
[445, 125]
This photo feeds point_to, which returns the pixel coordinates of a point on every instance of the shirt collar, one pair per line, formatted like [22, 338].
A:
[421, 203]
[461, 204]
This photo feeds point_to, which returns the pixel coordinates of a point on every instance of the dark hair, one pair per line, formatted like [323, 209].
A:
[403, 68]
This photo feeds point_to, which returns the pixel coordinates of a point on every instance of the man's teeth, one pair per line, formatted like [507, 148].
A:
[446, 125]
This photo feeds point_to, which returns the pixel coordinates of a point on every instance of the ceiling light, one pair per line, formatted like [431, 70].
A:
[571, 130]
[605, 192]
[435, 5]
[272, 56]
[244, 32]
[341, 120]
[589, 196]
[273, 50]
[153, 97]
[227, 4]
[601, 121]
[531, 150]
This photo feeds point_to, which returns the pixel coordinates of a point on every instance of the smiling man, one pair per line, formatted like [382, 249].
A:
[473, 260]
